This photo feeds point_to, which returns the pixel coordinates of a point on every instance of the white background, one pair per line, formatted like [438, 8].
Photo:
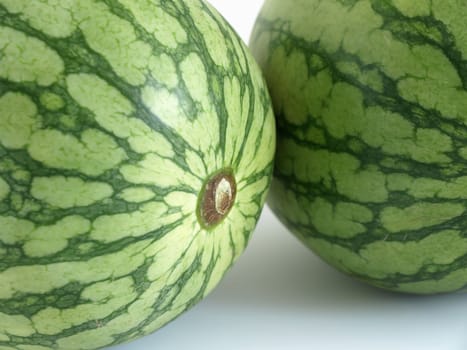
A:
[279, 295]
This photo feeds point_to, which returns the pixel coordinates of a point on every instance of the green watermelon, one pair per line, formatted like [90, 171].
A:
[371, 104]
[136, 148]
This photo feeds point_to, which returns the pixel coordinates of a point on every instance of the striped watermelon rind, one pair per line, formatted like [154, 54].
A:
[370, 99]
[116, 117]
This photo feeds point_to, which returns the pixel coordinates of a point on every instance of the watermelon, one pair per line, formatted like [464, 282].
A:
[136, 147]
[370, 98]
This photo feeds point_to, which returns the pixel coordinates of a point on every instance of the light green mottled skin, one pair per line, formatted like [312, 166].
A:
[113, 115]
[371, 102]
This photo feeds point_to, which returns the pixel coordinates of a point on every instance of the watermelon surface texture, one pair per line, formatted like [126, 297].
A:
[136, 148]
[371, 104]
